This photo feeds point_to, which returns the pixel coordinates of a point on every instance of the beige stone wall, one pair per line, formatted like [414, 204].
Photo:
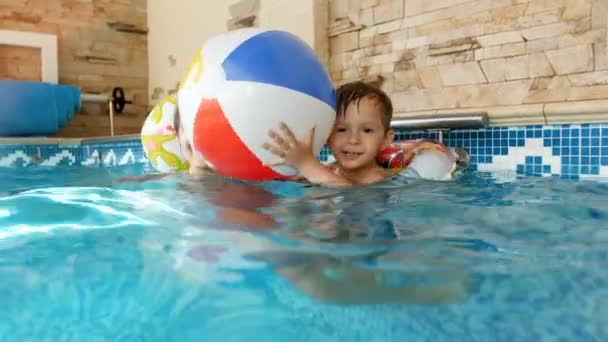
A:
[20, 63]
[522, 61]
[101, 46]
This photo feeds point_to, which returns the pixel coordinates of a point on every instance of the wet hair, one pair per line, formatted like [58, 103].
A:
[177, 126]
[176, 121]
[353, 92]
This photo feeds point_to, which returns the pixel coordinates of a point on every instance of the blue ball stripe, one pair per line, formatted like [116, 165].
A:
[281, 59]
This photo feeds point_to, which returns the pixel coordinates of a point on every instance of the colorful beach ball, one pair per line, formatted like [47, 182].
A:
[159, 139]
[243, 83]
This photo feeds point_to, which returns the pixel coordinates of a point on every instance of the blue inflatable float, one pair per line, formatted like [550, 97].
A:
[36, 108]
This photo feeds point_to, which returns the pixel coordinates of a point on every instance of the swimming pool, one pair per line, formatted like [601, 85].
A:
[85, 256]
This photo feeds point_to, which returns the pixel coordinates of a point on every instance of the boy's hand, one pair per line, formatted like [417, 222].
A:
[288, 148]
[299, 155]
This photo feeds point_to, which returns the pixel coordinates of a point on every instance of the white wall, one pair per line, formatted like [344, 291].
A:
[295, 16]
[175, 32]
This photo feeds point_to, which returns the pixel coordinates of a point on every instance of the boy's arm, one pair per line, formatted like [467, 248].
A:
[422, 146]
[298, 154]
[315, 172]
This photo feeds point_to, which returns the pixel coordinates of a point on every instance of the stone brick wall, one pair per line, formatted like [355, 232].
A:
[20, 63]
[102, 44]
[522, 61]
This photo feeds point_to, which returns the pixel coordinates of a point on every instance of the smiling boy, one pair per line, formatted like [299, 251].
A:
[362, 129]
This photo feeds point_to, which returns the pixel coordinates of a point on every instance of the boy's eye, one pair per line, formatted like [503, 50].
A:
[368, 130]
[341, 129]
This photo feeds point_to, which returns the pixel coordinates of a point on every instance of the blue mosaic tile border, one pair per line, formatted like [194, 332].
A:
[94, 152]
[563, 150]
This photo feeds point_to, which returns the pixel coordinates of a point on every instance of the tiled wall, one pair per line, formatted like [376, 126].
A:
[572, 151]
[566, 150]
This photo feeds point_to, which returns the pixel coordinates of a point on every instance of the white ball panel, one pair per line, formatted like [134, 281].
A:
[253, 109]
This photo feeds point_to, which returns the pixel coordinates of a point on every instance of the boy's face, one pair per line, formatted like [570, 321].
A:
[359, 135]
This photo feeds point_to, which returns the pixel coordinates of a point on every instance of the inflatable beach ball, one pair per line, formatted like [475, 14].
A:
[159, 139]
[242, 84]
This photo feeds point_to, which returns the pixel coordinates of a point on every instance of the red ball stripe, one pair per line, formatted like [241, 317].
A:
[215, 138]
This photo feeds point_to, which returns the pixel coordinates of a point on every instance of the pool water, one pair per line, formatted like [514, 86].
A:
[88, 256]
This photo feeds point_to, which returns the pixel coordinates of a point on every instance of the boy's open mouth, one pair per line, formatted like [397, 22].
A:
[351, 154]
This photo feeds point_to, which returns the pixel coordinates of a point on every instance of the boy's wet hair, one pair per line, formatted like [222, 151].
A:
[355, 91]
[176, 121]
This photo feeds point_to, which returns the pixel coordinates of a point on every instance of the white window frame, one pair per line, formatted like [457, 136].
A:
[47, 43]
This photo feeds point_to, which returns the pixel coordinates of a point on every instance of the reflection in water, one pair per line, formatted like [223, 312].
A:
[345, 280]
[318, 223]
